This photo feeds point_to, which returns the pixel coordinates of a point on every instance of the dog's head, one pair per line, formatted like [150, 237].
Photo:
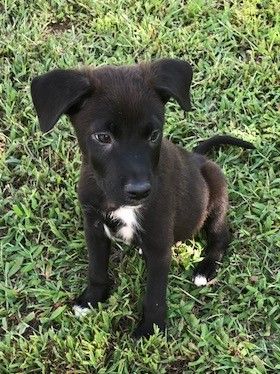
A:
[118, 116]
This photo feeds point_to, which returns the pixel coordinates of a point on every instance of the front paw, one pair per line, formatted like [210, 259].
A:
[144, 329]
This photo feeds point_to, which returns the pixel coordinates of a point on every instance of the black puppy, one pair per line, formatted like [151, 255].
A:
[134, 185]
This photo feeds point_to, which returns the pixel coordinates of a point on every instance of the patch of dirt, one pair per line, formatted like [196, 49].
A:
[178, 367]
[19, 181]
[59, 27]
[3, 232]
[2, 143]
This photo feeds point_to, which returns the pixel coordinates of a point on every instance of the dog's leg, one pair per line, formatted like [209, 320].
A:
[98, 280]
[154, 308]
[217, 235]
[216, 228]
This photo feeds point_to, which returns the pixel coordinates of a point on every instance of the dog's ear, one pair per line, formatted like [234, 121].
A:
[172, 78]
[56, 93]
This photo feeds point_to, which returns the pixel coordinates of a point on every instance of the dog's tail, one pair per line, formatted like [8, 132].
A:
[218, 140]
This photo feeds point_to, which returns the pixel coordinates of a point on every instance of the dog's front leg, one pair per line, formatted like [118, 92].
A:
[154, 308]
[99, 247]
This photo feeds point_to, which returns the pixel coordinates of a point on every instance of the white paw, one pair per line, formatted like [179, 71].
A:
[140, 251]
[80, 312]
[200, 280]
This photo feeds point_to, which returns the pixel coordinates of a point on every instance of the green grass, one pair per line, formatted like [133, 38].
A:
[232, 326]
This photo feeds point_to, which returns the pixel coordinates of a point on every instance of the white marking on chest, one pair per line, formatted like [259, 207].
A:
[129, 223]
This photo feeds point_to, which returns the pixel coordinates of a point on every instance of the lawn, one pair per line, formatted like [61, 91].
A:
[231, 326]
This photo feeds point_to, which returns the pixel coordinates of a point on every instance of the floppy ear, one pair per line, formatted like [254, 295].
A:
[172, 78]
[55, 93]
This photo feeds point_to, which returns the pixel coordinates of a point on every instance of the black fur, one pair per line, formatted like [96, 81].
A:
[118, 116]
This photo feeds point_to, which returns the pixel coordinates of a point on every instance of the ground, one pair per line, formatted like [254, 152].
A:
[230, 326]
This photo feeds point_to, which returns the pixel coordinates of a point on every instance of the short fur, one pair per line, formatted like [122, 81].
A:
[178, 192]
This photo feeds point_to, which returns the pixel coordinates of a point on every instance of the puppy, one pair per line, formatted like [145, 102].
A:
[136, 186]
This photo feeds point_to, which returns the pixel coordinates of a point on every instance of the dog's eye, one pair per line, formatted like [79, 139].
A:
[154, 136]
[103, 137]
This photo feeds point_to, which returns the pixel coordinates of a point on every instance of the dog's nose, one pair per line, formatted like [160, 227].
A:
[138, 190]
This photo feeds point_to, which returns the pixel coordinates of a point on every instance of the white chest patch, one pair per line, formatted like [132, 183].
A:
[128, 216]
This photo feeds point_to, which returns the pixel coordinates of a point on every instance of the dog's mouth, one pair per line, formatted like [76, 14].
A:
[111, 206]
[114, 205]
[137, 202]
